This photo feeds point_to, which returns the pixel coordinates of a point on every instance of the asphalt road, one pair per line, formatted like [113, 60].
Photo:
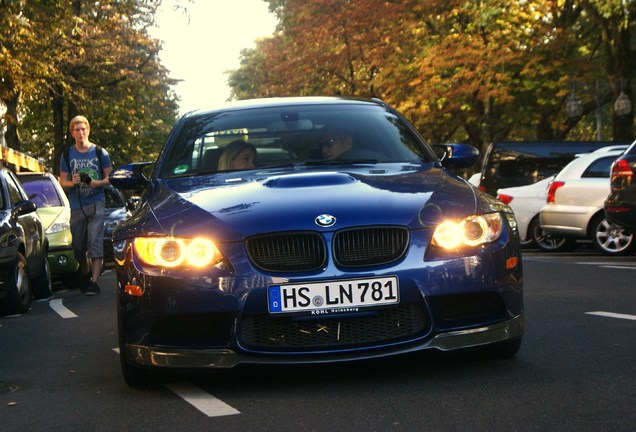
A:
[576, 371]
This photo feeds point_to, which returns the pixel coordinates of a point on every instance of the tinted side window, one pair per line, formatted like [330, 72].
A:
[600, 168]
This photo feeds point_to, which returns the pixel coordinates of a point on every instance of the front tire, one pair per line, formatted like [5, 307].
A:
[19, 297]
[42, 286]
[611, 239]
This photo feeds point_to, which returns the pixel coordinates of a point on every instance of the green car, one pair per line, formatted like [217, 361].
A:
[55, 212]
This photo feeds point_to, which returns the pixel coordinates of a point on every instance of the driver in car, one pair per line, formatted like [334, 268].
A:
[334, 142]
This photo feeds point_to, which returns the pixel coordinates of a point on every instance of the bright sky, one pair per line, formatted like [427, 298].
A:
[201, 47]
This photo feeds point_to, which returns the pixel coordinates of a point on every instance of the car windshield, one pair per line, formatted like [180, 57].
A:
[41, 191]
[315, 134]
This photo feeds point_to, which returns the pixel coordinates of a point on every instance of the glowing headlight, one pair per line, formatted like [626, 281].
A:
[474, 230]
[172, 252]
[61, 223]
[58, 227]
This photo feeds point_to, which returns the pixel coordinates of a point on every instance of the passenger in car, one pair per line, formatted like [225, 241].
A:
[238, 155]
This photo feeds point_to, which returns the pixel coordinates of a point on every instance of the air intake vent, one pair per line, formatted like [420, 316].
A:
[287, 252]
[370, 246]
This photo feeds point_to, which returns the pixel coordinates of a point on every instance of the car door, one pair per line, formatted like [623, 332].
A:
[29, 221]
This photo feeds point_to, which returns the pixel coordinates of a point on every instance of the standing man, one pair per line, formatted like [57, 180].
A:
[84, 170]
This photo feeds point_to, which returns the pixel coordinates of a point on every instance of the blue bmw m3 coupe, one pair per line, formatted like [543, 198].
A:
[307, 230]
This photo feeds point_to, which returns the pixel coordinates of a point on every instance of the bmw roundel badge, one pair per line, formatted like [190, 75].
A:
[325, 220]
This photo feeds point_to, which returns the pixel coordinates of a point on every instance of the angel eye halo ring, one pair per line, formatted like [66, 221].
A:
[471, 231]
[172, 252]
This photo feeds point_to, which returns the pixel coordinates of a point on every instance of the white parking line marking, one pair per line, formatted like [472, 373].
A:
[613, 315]
[57, 306]
[619, 267]
[203, 401]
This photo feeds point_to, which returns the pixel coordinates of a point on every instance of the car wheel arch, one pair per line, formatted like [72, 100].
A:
[593, 222]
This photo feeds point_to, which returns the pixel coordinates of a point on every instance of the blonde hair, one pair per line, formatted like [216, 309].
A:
[78, 119]
[231, 152]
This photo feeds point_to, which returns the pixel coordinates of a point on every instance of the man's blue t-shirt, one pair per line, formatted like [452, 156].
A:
[88, 163]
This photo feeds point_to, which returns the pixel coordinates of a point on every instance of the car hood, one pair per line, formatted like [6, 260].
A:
[232, 206]
[48, 215]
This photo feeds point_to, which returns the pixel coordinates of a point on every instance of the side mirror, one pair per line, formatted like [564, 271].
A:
[456, 155]
[130, 177]
[24, 207]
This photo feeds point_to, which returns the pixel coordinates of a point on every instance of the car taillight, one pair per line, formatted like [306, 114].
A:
[621, 168]
[552, 191]
[506, 199]
[622, 175]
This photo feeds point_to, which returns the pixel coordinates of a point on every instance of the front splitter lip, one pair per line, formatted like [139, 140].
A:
[226, 358]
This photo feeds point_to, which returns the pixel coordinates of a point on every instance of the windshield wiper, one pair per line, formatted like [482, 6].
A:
[341, 162]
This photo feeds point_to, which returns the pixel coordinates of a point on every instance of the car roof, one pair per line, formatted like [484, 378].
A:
[33, 174]
[286, 101]
[580, 164]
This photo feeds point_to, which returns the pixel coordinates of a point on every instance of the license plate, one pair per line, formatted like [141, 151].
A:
[333, 296]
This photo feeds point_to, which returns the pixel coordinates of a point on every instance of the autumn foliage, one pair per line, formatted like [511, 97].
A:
[473, 71]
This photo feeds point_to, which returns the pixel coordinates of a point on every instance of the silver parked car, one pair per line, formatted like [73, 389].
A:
[575, 201]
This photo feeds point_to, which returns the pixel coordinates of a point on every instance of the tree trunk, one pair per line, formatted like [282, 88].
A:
[11, 134]
[57, 104]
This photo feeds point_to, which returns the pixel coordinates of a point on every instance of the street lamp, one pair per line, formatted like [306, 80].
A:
[623, 105]
[574, 106]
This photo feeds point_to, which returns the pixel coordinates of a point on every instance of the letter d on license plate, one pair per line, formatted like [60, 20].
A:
[325, 295]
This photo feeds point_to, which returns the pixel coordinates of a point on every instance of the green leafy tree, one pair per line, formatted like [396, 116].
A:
[102, 64]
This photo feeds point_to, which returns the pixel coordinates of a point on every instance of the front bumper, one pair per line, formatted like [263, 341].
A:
[228, 358]
[220, 319]
[625, 218]
[62, 260]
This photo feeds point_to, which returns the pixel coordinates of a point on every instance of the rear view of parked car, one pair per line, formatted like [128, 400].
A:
[526, 202]
[620, 206]
[24, 268]
[575, 200]
[55, 212]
